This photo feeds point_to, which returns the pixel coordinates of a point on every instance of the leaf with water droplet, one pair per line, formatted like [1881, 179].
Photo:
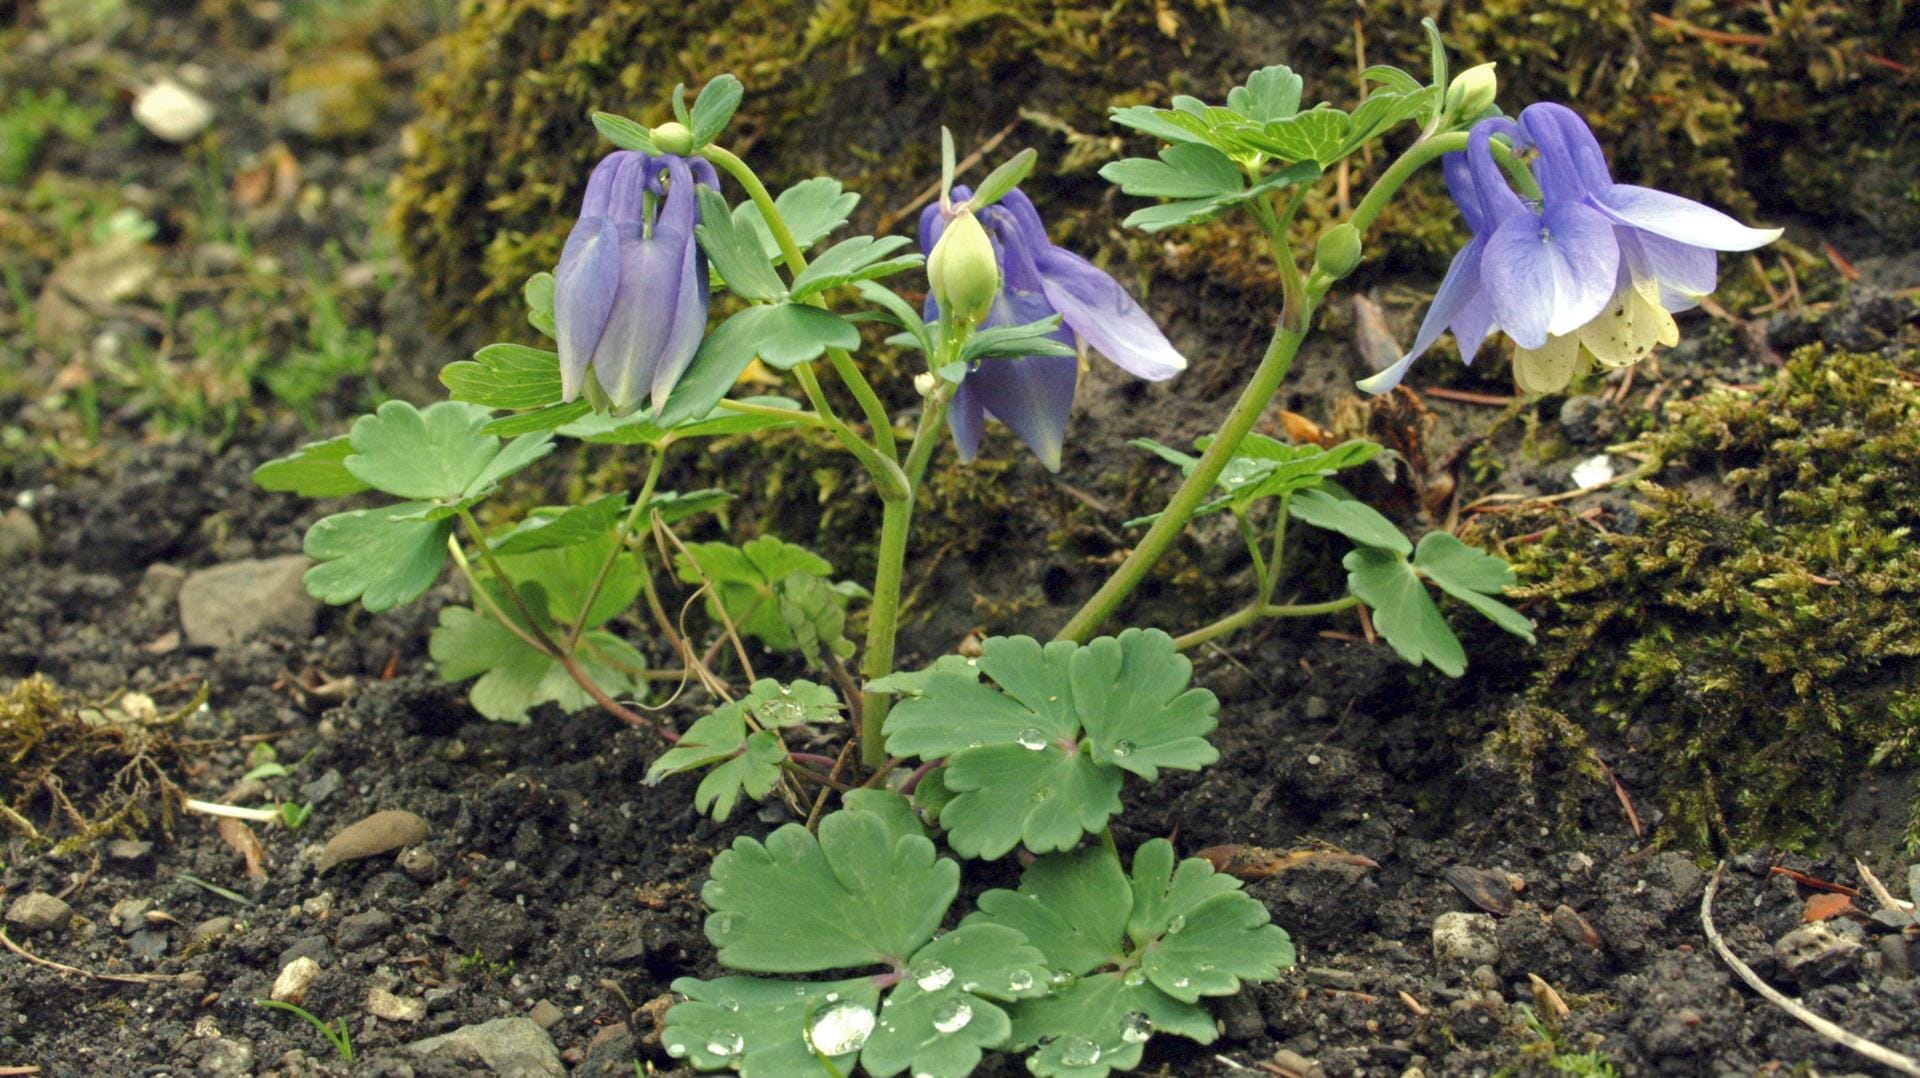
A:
[774, 704]
[860, 893]
[1101, 1024]
[932, 1024]
[1079, 715]
[1200, 933]
[759, 1027]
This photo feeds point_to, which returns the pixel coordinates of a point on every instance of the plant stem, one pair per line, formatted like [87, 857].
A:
[1295, 320]
[1159, 538]
[1272, 578]
[883, 616]
[620, 534]
[1253, 612]
[886, 474]
[805, 419]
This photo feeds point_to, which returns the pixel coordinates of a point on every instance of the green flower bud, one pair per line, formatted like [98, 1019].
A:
[1471, 92]
[1338, 251]
[673, 138]
[963, 271]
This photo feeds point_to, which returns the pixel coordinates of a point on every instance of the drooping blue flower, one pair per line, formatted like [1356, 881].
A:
[1591, 271]
[630, 294]
[1033, 395]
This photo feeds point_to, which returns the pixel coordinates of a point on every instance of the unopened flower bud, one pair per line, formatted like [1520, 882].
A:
[1471, 92]
[924, 383]
[963, 271]
[1338, 251]
[674, 138]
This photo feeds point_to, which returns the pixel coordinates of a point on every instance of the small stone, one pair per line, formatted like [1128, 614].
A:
[210, 930]
[240, 601]
[294, 980]
[226, 1058]
[159, 586]
[19, 535]
[39, 912]
[545, 1013]
[1465, 939]
[1813, 951]
[363, 929]
[129, 915]
[323, 787]
[1896, 957]
[1318, 708]
[384, 1004]
[172, 112]
[1292, 1062]
[505, 1046]
[314, 947]
[149, 943]
[129, 850]
[419, 863]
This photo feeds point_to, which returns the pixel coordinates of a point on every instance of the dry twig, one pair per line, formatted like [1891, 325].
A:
[1886, 1057]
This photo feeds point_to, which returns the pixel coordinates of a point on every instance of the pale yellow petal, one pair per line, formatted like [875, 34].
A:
[1550, 367]
[1631, 327]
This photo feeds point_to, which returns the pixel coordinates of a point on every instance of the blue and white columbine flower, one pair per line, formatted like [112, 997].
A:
[630, 294]
[1033, 395]
[1594, 270]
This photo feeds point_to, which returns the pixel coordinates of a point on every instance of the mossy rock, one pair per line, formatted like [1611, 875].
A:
[1797, 113]
[1756, 635]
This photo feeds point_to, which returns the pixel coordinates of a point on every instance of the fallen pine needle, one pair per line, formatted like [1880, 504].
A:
[1886, 1057]
[215, 808]
[1419, 1009]
[1815, 882]
[1464, 397]
[10, 1072]
[76, 971]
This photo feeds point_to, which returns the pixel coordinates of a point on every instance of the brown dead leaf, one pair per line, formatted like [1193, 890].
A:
[1826, 906]
[1491, 891]
[1259, 863]
[237, 835]
[1304, 431]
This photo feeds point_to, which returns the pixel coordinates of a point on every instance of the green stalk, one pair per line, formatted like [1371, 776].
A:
[1295, 320]
[625, 529]
[1251, 613]
[883, 616]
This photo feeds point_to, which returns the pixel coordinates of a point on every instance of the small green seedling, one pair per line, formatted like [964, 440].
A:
[336, 1034]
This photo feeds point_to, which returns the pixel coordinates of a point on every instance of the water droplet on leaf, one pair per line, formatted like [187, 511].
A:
[840, 1029]
[952, 1016]
[1123, 748]
[1032, 738]
[725, 1042]
[1134, 977]
[1079, 1052]
[1019, 981]
[1136, 1028]
[934, 977]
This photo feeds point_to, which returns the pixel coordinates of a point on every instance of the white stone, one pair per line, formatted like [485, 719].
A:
[171, 111]
[294, 980]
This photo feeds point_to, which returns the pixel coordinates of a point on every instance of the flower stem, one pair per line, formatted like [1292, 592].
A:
[632, 520]
[883, 616]
[1295, 321]
[1159, 538]
[1253, 612]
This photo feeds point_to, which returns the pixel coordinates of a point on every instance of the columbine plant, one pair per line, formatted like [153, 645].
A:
[1026, 745]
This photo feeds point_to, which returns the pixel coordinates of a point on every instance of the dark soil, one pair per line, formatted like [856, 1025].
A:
[556, 883]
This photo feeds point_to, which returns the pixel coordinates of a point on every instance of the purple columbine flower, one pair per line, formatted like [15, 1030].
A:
[1593, 270]
[1033, 395]
[630, 295]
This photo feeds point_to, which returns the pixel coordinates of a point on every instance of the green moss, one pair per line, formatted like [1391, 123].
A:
[1757, 634]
